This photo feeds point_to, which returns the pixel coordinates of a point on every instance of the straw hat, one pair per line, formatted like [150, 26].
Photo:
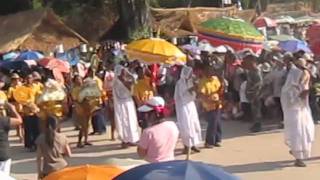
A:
[15, 76]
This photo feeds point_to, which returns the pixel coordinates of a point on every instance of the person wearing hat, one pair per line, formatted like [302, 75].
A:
[298, 122]
[15, 82]
[158, 141]
[253, 90]
[210, 90]
[187, 114]
[124, 109]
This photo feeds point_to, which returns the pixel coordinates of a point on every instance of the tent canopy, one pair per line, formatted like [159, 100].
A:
[36, 29]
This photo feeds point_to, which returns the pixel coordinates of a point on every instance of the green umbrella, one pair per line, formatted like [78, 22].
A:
[231, 28]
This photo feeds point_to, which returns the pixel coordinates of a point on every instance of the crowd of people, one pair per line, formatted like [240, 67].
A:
[139, 101]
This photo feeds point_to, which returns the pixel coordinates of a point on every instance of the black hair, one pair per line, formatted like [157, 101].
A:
[51, 127]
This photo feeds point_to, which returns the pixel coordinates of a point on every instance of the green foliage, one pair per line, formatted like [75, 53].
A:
[141, 33]
[37, 4]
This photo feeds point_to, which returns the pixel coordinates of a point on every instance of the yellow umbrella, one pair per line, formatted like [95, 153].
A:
[155, 50]
[86, 172]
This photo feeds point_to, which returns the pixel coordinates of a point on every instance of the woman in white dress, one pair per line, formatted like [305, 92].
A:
[124, 110]
[187, 114]
[298, 122]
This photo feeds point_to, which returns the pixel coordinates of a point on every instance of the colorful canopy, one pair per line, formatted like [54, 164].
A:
[237, 45]
[265, 22]
[86, 172]
[155, 50]
[176, 170]
[236, 29]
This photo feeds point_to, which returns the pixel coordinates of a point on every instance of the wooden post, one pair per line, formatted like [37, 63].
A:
[188, 153]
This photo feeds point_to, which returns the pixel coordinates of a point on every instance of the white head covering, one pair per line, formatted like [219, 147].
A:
[155, 101]
[118, 70]
[185, 72]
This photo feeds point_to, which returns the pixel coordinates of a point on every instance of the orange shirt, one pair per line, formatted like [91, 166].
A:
[143, 90]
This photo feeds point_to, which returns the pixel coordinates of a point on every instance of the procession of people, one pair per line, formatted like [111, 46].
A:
[151, 103]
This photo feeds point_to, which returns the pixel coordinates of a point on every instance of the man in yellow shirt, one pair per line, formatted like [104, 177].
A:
[30, 118]
[210, 90]
[15, 82]
[142, 92]
[37, 86]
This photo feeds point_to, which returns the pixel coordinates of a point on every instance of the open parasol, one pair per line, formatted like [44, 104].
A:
[233, 32]
[232, 28]
[294, 46]
[155, 50]
[55, 64]
[30, 55]
[85, 172]
[176, 170]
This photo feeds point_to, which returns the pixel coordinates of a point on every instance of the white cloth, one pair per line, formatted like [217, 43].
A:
[187, 114]
[298, 122]
[5, 166]
[275, 78]
[125, 113]
[242, 93]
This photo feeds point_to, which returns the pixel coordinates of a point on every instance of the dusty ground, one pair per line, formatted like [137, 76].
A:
[260, 156]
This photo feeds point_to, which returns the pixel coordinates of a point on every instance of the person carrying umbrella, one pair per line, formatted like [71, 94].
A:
[152, 147]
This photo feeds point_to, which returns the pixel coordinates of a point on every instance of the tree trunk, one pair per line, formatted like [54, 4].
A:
[134, 16]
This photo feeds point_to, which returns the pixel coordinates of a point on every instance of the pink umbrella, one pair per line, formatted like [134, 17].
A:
[55, 64]
[57, 67]
[265, 22]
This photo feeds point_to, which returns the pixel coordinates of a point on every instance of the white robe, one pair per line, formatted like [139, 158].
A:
[187, 114]
[125, 113]
[298, 122]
